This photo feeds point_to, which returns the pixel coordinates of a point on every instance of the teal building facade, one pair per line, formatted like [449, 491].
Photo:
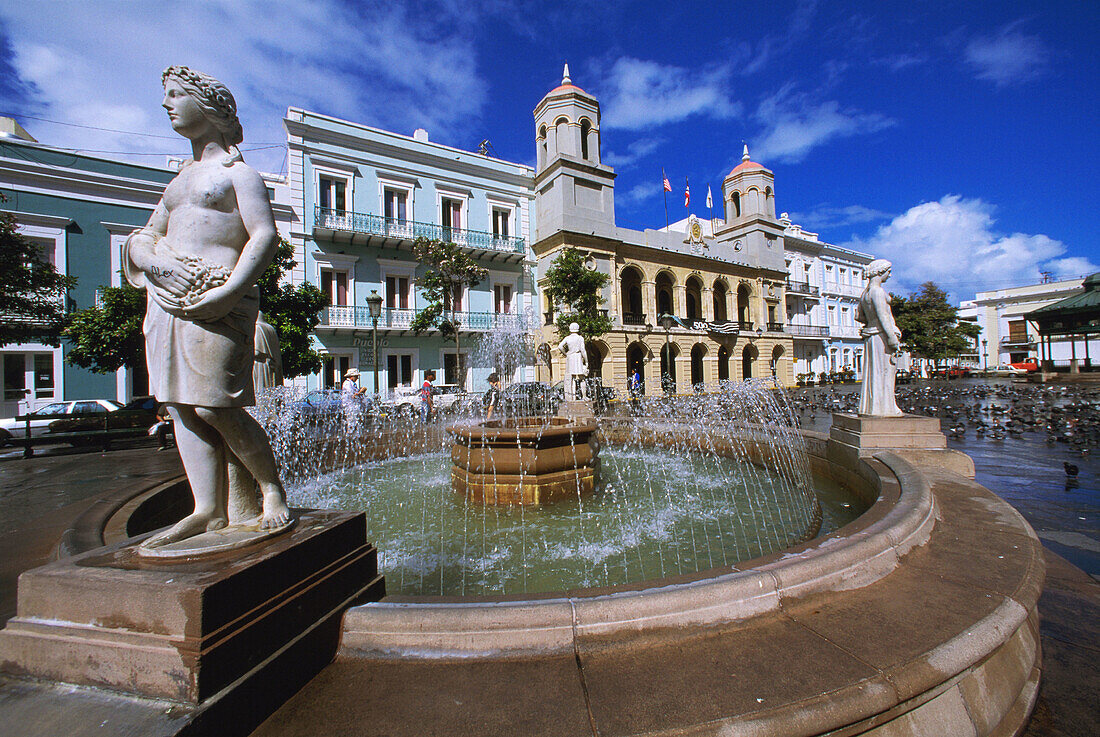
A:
[364, 195]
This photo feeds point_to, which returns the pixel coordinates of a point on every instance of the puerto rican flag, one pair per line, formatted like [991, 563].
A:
[687, 193]
[668, 184]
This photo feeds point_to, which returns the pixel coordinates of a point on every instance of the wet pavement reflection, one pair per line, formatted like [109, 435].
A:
[1026, 440]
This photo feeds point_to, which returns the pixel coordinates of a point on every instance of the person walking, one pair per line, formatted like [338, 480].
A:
[351, 401]
[491, 400]
[426, 397]
[634, 389]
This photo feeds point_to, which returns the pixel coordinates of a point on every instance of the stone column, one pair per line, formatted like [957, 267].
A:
[707, 308]
[679, 300]
[649, 301]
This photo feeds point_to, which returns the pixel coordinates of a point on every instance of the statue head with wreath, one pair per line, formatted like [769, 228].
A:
[214, 101]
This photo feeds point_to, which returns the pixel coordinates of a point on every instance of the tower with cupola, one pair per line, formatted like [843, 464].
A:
[749, 192]
[574, 190]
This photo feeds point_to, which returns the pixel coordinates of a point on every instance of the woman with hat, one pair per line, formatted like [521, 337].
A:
[350, 394]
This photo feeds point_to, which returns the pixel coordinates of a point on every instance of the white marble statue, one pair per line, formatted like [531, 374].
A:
[576, 361]
[881, 344]
[198, 258]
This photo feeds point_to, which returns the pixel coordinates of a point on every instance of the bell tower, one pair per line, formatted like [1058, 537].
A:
[574, 191]
[749, 192]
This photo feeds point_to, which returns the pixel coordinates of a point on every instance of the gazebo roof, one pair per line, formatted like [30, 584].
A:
[1086, 302]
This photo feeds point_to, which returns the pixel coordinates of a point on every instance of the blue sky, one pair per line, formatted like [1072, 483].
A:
[957, 139]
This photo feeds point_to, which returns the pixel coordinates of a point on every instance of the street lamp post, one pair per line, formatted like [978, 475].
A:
[667, 321]
[374, 304]
[985, 354]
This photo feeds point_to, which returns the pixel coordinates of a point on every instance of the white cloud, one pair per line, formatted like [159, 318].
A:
[953, 242]
[898, 62]
[827, 216]
[638, 149]
[794, 124]
[1007, 57]
[270, 53]
[639, 193]
[638, 94]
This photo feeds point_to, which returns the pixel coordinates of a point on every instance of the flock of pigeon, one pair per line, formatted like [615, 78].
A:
[1067, 414]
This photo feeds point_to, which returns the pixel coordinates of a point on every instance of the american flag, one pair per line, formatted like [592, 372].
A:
[687, 193]
[668, 184]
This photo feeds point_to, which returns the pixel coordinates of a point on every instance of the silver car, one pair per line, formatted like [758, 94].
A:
[13, 429]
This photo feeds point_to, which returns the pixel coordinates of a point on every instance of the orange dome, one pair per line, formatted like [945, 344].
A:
[744, 166]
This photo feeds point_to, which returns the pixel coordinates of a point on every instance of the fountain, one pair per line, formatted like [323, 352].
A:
[524, 460]
[693, 559]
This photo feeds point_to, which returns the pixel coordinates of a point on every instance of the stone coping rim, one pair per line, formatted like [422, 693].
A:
[494, 432]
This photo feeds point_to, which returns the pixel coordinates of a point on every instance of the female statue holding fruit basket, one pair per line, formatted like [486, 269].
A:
[199, 258]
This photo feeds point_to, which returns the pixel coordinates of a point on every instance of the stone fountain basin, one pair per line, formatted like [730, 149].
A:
[918, 618]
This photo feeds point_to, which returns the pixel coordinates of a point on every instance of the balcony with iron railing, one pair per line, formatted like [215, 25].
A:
[343, 221]
[775, 327]
[808, 331]
[802, 289]
[347, 316]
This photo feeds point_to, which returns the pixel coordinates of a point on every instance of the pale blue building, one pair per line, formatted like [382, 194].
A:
[364, 196]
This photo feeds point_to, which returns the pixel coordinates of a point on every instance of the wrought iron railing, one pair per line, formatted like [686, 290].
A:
[633, 318]
[775, 327]
[341, 316]
[808, 331]
[744, 326]
[358, 222]
[802, 287]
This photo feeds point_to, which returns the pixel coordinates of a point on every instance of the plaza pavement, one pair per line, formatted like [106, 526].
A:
[41, 498]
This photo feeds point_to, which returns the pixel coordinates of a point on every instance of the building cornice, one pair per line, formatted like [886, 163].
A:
[39, 220]
[384, 143]
[47, 179]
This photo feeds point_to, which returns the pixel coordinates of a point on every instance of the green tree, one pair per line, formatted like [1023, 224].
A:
[929, 324]
[294, 311]
[108, 336]
[32, 292]
[570, 284]
[448, 269]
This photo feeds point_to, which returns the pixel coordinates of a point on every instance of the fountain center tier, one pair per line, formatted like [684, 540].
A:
[524, 461]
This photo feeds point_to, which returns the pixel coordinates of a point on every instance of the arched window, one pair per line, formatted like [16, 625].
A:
[723, 364]
[735, 206]
[719, 294]
[744, 314]
[697, 353]
[769, 202]
[694, 299]
[747, 357]
[542, 145]
[664, 294]
[586, 127]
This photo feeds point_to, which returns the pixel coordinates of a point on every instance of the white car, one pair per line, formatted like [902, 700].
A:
[1004, 370]
[13, 429]
[406, 399]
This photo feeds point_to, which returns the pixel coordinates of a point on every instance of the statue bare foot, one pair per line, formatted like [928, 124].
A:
[193, 524]
[276, 512]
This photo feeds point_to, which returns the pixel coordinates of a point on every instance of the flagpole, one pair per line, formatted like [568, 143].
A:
[664, 191]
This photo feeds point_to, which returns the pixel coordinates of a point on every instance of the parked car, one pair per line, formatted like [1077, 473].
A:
[138, 412]
[951, 372]
[13, 429]
[1029, 366]
[531, 398]
[317, 407]
[1004, 369]
[903, 377]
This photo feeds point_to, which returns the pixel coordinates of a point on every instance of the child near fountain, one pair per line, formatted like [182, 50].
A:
[491, 400]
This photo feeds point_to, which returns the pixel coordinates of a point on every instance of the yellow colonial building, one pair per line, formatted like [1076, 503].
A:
[722, 281]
